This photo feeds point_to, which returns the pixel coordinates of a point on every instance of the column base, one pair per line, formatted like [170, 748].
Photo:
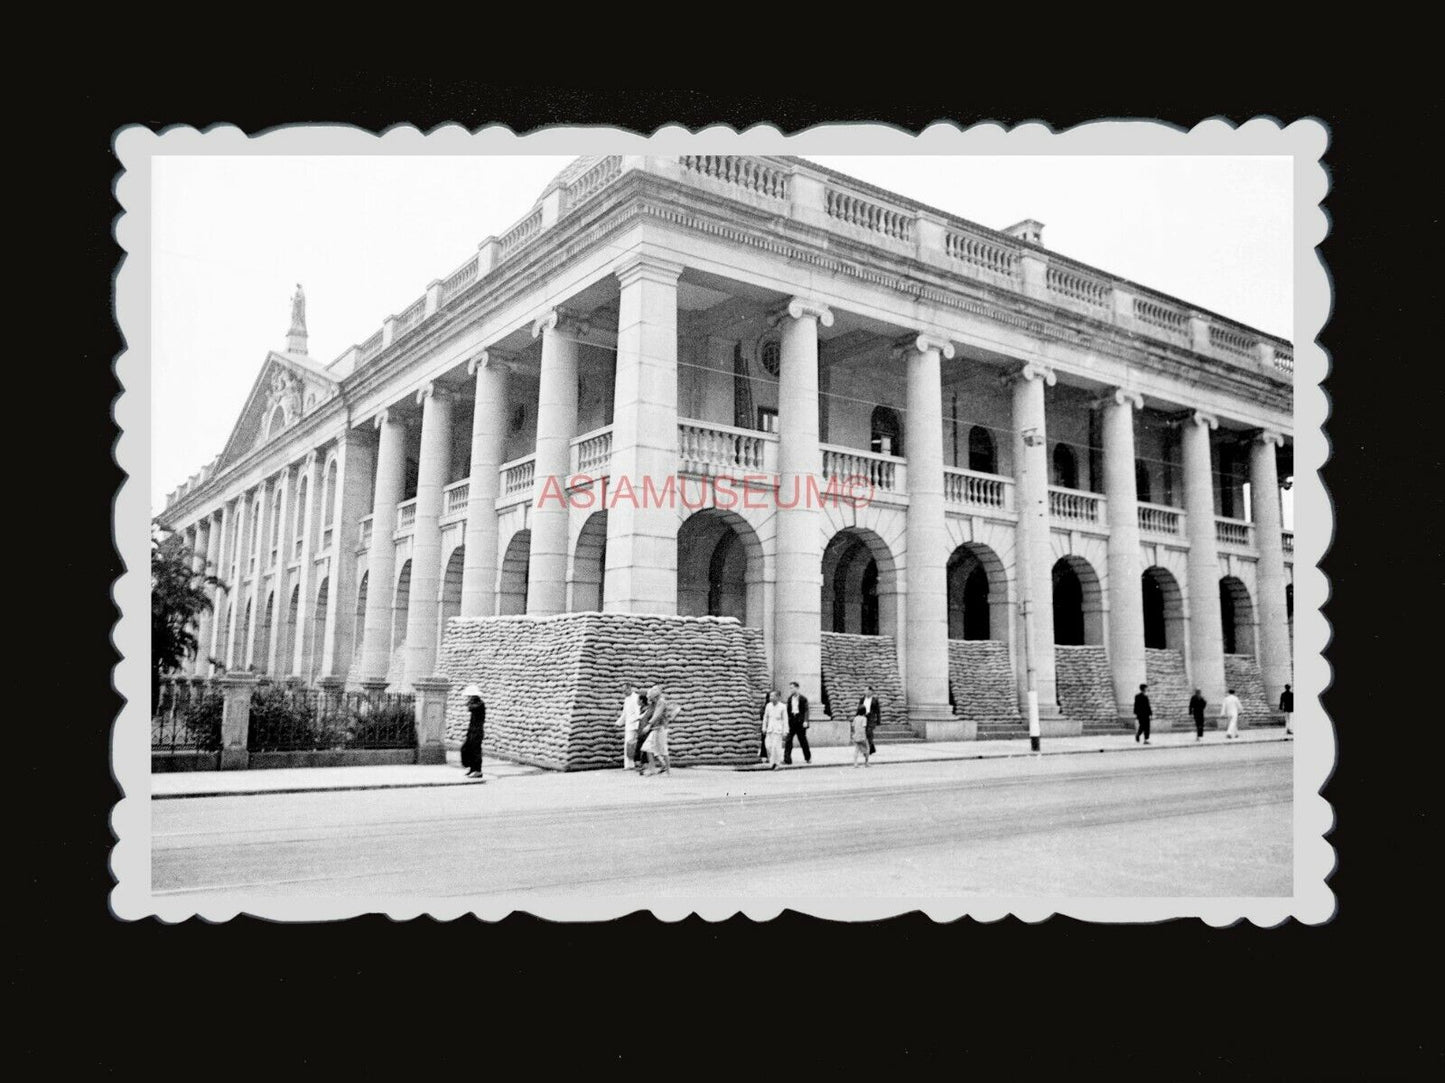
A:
[830, 732]
[235, 759]
[1058, 726]
[951, 728]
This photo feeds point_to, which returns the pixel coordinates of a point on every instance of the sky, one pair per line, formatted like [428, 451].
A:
[232, 236]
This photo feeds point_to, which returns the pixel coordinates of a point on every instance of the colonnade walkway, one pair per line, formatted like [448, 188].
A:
[319, 779]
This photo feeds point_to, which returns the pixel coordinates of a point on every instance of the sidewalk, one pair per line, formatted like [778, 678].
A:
[315, 779]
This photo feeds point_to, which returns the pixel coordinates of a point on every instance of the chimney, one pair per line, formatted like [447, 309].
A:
[1028, 231]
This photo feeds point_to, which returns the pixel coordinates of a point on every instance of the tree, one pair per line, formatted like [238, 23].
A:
[178, 598]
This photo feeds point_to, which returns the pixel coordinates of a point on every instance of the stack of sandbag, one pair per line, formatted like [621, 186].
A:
[852, 663]
[554, 686]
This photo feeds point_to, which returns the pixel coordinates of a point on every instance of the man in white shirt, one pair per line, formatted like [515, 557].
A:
[631, 712]
[1230, 709]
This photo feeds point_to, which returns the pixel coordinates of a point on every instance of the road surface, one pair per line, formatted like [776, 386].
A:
[1189, 822]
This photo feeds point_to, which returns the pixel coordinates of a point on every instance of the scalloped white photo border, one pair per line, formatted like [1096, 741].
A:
[1314, 747]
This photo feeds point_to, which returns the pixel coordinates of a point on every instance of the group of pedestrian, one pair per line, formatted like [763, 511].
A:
[1229, 709]
[785, 722]
[646, 716]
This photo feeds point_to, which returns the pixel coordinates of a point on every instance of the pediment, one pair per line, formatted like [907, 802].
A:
[288, 388]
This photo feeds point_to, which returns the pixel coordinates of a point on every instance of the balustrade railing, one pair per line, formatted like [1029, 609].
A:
[883, 472]
[867, 215]
[406, 516]
[977, 490]
[1284, 361]
[1171, 321]
[454, 498]
[521, 233]
[592, 452]
[411, 316]
[1078, 287]
[459, 280]
[591, 182]
[1160, 519]
[370, 346]
[981, 254]
[1232, 532]
[746, 173]
[703, 448]
[1232, 341]
[1075, 506]
[518, 476]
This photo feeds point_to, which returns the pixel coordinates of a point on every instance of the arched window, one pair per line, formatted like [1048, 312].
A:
[981, 454]
[887, 431]
[1066, 467]
[277, 423]
[301, 491]
[331, 493]
[275, 519]
[1141, 482]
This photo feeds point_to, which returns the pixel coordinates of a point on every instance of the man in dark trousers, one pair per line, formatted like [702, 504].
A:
[763, 739]
[476, 731]
[1286, 704]
[797, 724]
[1143, 712]
[868, 707]
[1196, 712]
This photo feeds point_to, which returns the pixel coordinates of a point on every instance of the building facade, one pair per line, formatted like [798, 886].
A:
[903, 445]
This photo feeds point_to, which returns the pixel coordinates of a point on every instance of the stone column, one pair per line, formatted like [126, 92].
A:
[198, 566]
[797, 616]
[1126, 589]
[1206, 628]
[306, 610]
[257, 556]
[236, 603]
[1033, 553]
[556, 425]
[278, 665]
[355, 461]
[215, 642]
[236, 689]
[640, 573]
[926, 631]
[381, 558]
[489, 434]
[431, 718]
[1274, 646]
[424, 608]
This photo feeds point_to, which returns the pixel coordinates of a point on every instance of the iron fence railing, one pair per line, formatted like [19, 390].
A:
[308, 719]
[186, 718]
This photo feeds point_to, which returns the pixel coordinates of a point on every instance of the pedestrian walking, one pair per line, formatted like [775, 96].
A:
[660, 713]
[860, 739]
[1230, 709]
[1196, 712]
[1143, 713]
[628, 720]
[870, 709]
[476, 731]
[775, 724]
[1286, 704]
[762, 733]
[644, 712]
[797, 724]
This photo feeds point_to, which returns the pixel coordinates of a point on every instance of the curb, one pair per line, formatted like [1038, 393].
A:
[951, 758]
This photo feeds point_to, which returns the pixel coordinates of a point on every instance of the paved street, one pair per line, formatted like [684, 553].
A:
[1191, 821]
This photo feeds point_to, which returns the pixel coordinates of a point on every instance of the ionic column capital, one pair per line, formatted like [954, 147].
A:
[496, 360]
[1033, 370]
[558, 319]
[383, 417]
[800, 307]
[1121, 396]
[1270, 436]
[432, 389]
[923, 342]
[1203, 420]
[642, 266]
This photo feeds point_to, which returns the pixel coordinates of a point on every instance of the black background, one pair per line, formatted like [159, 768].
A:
[1178, 1000]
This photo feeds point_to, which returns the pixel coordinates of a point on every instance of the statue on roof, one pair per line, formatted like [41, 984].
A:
[296, 337]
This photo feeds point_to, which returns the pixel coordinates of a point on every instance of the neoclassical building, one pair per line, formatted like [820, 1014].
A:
[1058, 479]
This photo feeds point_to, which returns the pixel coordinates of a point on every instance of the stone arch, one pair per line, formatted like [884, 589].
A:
[450, 598]
[860, 584]
[719, 567]
[277, 421]
[288, 639]
[1236, 615]
[1078, 603]
[1163, 610]
[247, 660]
[982, 455]
[977, 594]
[328, 507]
[263, 634]
[359, 639]
[585, 584]
[316, 650]
[302, 491]
[512, 577]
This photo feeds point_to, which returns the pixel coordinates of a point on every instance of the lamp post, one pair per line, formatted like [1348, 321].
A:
[1031, 438]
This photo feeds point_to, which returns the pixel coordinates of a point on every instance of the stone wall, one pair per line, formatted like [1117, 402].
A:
[554, 686]
[851, 663]
[1086, 686]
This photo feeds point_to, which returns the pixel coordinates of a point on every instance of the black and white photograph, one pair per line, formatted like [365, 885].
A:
[852, 522]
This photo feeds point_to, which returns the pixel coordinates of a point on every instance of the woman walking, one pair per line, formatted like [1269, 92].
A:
[775, 724]
[476, 730]
[860, 739]
[660, 713]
